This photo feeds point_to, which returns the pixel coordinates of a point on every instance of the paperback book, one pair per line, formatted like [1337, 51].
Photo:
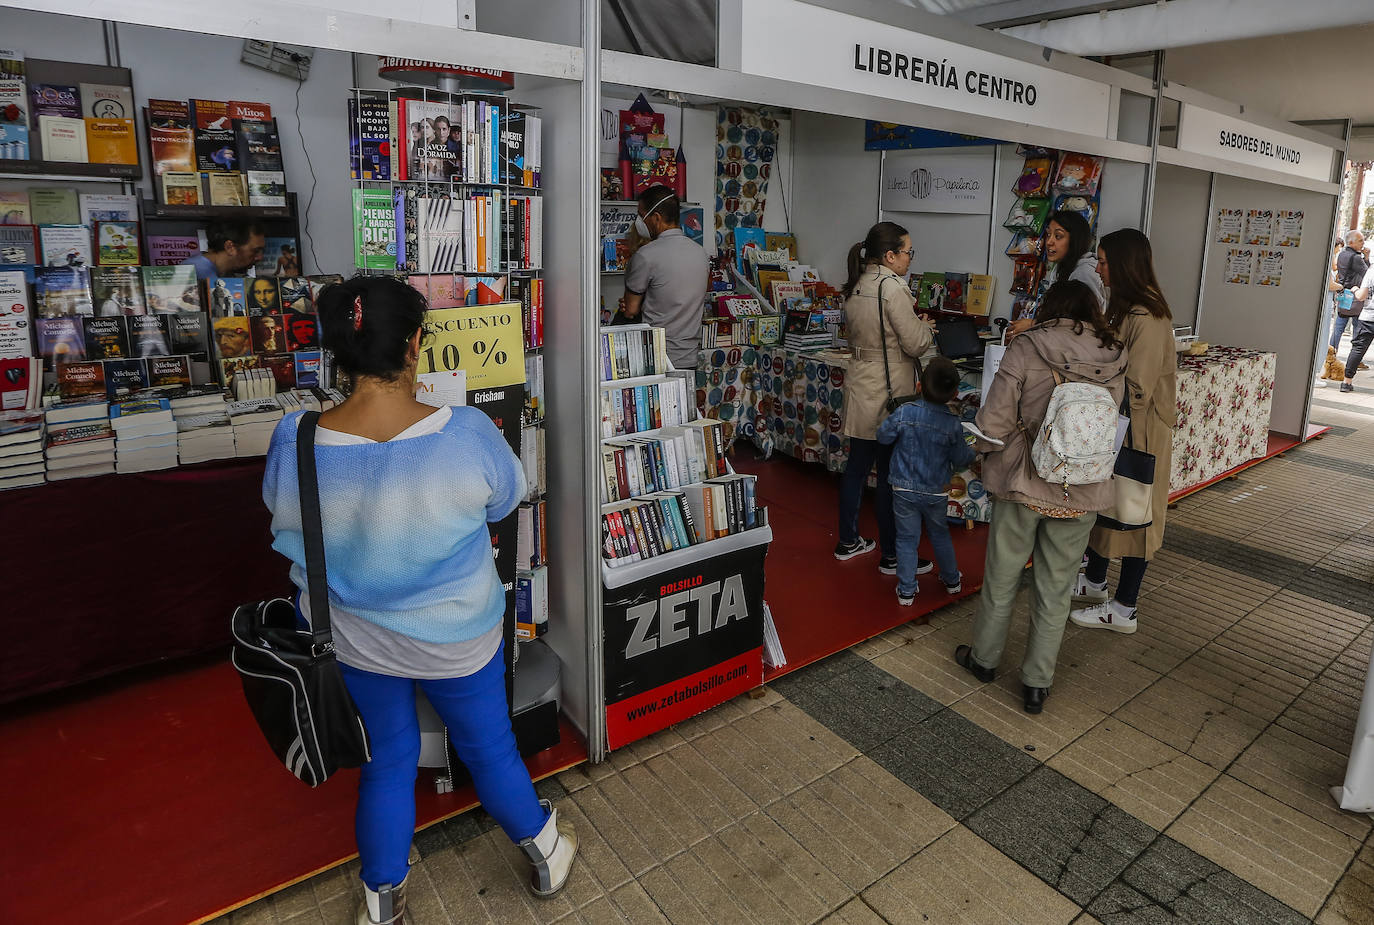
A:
[16, 316]
[62, 291]
[171, 141]
[171, 289]
[117, 244]
[18, 245]
[214, 136]
[66, 245]
[106, 338]
[106, 101]
[54, 206]
[148, 336]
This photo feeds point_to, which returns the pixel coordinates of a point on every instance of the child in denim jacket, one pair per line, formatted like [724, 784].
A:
[929, 447]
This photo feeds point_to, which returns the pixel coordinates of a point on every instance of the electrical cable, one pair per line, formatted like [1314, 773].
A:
[310, 201]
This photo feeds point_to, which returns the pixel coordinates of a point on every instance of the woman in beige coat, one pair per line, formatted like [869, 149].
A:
[1138, 312]
[877, 272]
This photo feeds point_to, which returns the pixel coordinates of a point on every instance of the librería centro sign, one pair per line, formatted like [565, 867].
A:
[800, 42]
[958, 183]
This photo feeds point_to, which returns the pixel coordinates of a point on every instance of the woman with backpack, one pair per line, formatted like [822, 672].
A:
[1070, 353]
[1139, 314]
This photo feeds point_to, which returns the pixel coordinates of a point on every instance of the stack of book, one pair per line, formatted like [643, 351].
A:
[531, 603]
[21, 448]
[532, 545]
[204, 436]
[145, 435]
[80, 441]
[253, 422]
[533, 460]
[671, 458]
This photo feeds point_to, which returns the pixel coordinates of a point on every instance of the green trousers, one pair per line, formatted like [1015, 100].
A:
[1017, 533]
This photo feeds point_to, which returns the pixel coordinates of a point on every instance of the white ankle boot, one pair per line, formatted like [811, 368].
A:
[551, 854]
[386, 906]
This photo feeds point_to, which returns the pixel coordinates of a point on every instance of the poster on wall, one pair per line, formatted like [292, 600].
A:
[1259, 227]
[1289, 232]
[950, 183]
[1269, 268]
[1230, 226]
[892, 136]
[1240, 265]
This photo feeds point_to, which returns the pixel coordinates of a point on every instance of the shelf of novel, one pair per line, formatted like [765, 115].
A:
[683, 544]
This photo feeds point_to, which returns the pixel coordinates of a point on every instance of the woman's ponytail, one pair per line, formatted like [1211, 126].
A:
[881, 238]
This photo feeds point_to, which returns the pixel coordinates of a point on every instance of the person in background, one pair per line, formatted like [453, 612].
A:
[1069, 250]
[234, 246]
[885, 351]
[1032, 519]
[406, 493]
[1351, 264]
[1364, 330]
[928, 447]
[1140, 316]
[665, 282]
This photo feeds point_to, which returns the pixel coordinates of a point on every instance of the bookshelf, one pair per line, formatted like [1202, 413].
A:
[159, 219]
[71, 73]
[433, 250]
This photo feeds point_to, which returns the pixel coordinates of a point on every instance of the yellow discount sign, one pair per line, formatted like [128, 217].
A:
[485, 341]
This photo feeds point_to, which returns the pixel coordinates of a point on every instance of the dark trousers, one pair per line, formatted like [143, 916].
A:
[862, 455]
[1359, 343]
[1132, 574]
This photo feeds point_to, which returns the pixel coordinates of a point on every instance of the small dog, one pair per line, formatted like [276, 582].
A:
[1334, 369]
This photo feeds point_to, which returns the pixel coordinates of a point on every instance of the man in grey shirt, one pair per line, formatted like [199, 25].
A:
[665, 284]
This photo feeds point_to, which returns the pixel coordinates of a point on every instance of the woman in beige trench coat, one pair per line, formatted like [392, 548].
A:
[877, 269]
[1137, 310]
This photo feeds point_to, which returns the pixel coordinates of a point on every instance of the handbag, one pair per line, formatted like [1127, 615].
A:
[893, 403]
[1345, 303]
[290, 675]
[1133, 483]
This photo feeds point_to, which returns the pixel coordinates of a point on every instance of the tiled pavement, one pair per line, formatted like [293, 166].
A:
[1179, 774]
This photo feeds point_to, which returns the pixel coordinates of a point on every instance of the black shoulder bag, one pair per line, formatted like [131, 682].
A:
[893, 403]
[290, 676]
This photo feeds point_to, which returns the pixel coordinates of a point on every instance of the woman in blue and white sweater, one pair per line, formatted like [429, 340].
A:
[406, 493]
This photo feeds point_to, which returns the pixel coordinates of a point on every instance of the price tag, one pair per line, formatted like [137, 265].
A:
[486, 342]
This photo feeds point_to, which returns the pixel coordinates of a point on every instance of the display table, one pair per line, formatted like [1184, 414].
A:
[118, 571]
[793, 403]
[1224, 400]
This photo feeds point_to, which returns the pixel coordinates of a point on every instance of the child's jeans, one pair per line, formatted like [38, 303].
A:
[913, 509]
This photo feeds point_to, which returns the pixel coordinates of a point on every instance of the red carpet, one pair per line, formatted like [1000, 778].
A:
[820, 605]
[155, 801]
[1277, 444]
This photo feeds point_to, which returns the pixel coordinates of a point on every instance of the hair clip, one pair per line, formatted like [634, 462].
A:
[357, 313]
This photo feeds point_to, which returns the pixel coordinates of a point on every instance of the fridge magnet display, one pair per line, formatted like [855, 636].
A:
[1240, 265]
[1230, 226]
[1289, 232]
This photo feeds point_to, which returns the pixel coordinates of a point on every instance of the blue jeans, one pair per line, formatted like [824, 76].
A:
[912, 509]
[1337, 329]
[862, 455]
[475, 710]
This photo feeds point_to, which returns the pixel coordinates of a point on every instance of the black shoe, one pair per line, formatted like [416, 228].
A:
[888, 565]
[859, 547]
[924, 566]
[964, 656]
[1347, 387]
[1035, 697]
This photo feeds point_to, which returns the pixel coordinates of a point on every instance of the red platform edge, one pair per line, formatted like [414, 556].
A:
[1277, 445]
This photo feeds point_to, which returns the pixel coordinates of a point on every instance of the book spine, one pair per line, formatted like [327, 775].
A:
[622, 481]
[750, 502]
[737, 487]
[542, 520]
[662, 534]
[641, 538]
[665, 512]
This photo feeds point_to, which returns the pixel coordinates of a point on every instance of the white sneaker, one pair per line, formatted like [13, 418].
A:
[1103, 617]
[1084, 593]
[551, 854]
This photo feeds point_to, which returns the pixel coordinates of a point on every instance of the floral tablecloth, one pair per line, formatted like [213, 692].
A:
[1224, 400]
[792, 403]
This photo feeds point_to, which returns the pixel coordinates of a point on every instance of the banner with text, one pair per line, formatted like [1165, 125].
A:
[824, 48]
[681, 642]
[1216, 134]
[958, 183]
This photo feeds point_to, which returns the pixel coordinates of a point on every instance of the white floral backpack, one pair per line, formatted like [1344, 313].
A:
[1076, 443]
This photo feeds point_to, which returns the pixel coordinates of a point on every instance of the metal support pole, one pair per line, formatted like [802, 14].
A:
[1147, 208]
[590, 200]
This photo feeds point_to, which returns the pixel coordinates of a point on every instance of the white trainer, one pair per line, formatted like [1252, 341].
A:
[551, 854]
[1084, 593]
[1103, 617]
